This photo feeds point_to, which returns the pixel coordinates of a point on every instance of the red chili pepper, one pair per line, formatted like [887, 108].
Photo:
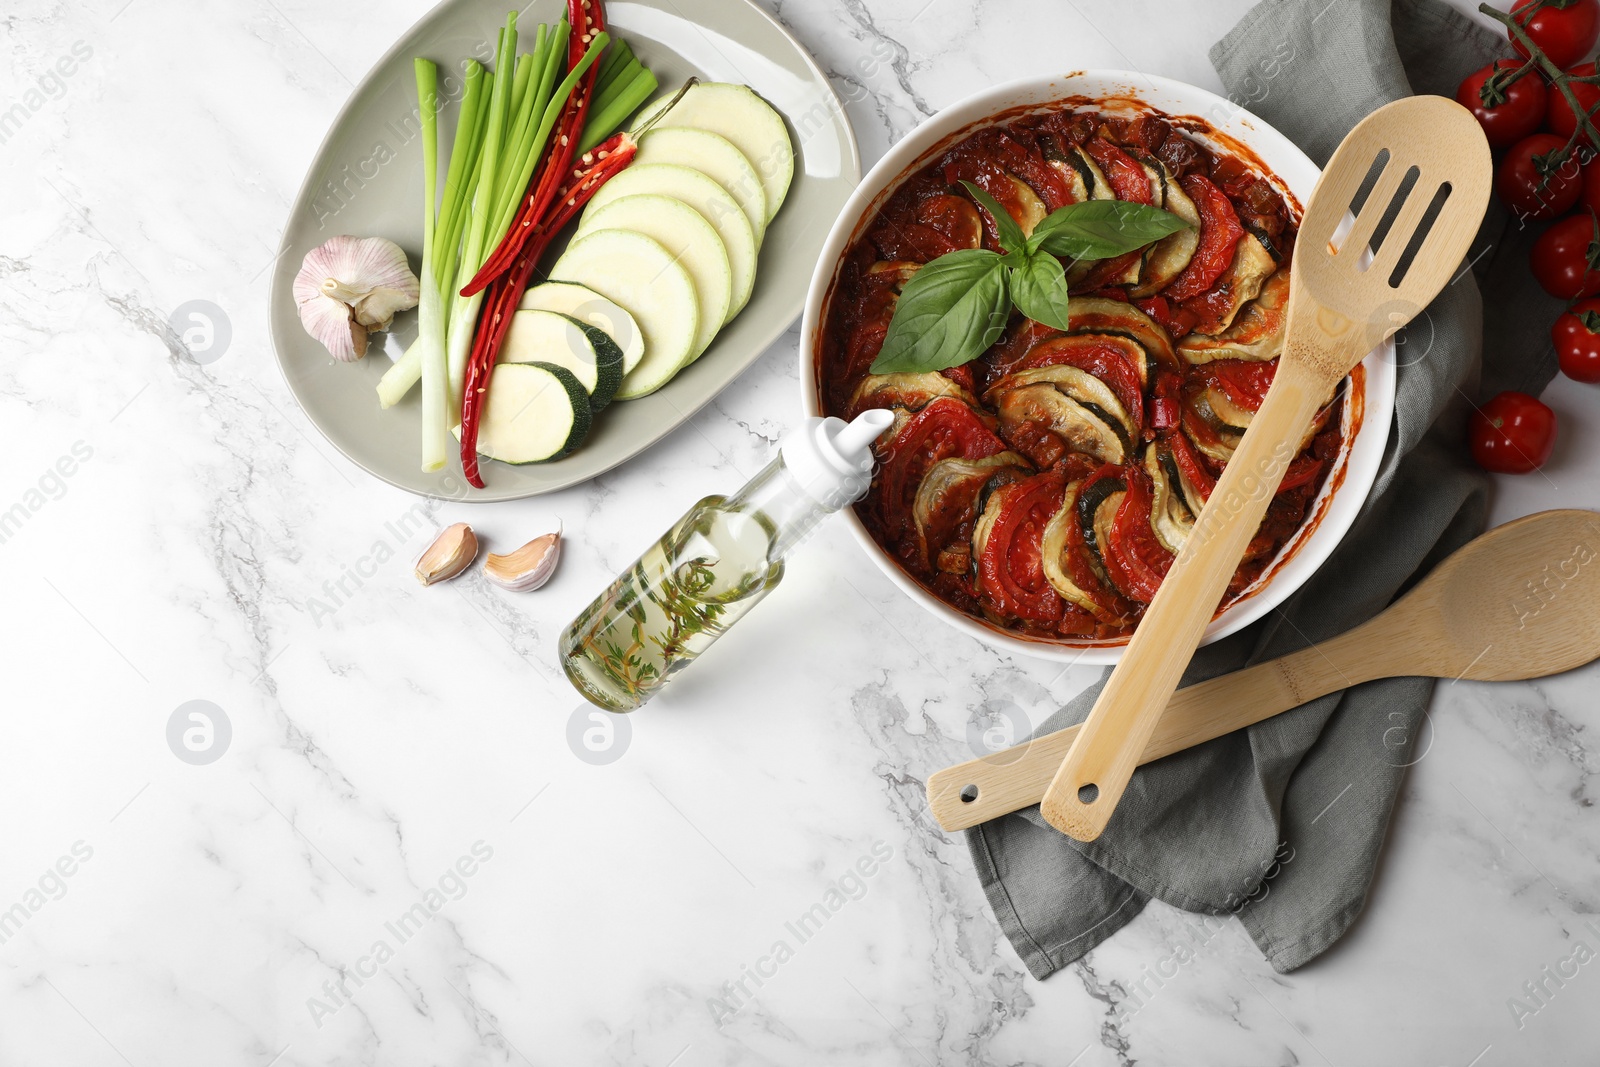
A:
[587, 18]
[505, 292]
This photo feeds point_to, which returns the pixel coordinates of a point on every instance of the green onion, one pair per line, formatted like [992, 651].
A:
[606, 115]
[435, 393]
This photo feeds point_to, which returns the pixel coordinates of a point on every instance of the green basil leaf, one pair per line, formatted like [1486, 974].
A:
[1011, 237]
[1039, 288]
[1100, 229]
[948, 313]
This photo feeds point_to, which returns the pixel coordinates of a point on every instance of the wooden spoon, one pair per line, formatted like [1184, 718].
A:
[1522, 601]
[1343, 303]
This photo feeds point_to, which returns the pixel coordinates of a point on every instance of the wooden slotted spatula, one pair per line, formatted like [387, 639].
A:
[1343, 302]
[1521, 601]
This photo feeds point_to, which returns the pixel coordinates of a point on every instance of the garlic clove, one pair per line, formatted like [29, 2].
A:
[449, 554]
[528, 567]
[350, 285]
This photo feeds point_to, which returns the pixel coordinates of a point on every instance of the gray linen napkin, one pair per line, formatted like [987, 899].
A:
[1281, 824]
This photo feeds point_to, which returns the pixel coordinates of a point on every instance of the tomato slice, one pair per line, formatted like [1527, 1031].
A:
[945, 428]
[1135, 560]
[1245, 382]
[1178, 321]
[1010, 570]
[1220, 232]
[1099, 358]
[1303, 470]
[1190, 463]
[1128, 179]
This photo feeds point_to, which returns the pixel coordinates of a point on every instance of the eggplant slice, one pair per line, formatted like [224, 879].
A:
[1257, 330]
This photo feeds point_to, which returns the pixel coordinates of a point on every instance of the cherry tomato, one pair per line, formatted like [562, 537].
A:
[1565, 34]
[1512, 434]
[1559, 118]
[1566, 258]
[1514, 117]
[1528, 185]
[1576, 336]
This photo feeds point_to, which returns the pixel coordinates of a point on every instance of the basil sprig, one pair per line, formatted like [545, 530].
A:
[957, 305]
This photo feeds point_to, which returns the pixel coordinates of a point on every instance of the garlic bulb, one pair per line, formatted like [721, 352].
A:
[528, 567]
[449, 554]
[350, 285]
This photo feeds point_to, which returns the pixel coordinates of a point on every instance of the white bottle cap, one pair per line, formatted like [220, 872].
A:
[832, 459]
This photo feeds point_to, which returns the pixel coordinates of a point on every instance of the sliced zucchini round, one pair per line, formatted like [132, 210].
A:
[706, 197]
[584, 350]
[1167, 258]
[588, 306]
[714, 156]
[536, 412]
[737, 113]
[681, 230]
[637, 273]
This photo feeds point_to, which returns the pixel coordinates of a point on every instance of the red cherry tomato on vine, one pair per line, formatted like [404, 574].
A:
[1576, 336]
[1566, 258]
[1528, 184]
[1517, 115]
[1564, 33]
[1559, 118]
[1512, 434]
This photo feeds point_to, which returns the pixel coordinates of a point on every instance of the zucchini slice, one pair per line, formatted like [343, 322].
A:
[1096, 507]
[714, 156]
[586, 352]
[536, 412]
[738, 114]
[1054, 544]
[1084, 426]
[951, 492]
[1079, 384]
[1099, 314]
[632, 270]
[706, 197]
[588, 306]
[1170, 517]
[913, 392]
[681, 230]
[1257, 330]
[1167, 258]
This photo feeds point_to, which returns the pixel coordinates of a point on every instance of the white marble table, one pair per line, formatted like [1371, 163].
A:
[181, 525]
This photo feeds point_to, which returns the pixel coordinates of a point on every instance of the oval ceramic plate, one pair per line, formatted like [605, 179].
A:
[367, 181]
[1366, 415]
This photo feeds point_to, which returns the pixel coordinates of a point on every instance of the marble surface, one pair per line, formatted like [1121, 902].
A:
[186, 535]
